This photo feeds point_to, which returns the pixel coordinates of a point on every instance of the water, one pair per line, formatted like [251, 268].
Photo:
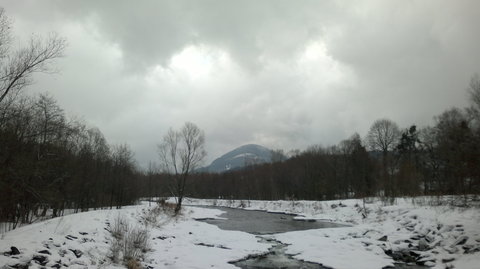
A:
[262, 224]
[275, 258]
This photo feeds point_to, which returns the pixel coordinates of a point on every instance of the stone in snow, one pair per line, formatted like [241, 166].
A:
[461, 240]
[45, 252]
[422, 244]
[42, 260]
[383, 238]
[78, 253]
[14, 251]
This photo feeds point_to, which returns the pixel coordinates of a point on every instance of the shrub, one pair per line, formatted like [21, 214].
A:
[128, 243]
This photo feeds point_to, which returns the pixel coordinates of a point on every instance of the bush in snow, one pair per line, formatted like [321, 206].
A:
[129, 243]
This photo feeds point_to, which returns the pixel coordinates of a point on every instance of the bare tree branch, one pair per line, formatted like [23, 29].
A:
[17, 68]
[180, 153]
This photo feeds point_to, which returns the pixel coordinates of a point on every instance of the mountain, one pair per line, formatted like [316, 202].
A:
[240, 157]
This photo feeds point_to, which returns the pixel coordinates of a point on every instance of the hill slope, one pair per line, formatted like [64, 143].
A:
[240, 157]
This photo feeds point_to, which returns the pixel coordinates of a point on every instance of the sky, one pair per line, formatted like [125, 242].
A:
[282, 74]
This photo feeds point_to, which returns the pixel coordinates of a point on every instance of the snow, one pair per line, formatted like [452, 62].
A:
[219, 246]
[334, 247]
[434, 232]
[52, 235]
[244, 155]
[442, 235]
[179, 242]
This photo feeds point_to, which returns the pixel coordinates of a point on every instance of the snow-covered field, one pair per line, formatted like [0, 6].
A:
[439, 236]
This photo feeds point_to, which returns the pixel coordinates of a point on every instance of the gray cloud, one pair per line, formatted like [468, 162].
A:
[285, 74]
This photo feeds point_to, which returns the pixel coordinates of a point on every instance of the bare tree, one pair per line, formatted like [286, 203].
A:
[17, 67]
[474, 94]
[180, 153]
[4, 34]
[383, 136]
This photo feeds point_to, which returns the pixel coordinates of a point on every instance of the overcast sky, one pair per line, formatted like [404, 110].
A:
[283, 74]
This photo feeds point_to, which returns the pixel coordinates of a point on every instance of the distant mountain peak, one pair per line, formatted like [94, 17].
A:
[240, 157]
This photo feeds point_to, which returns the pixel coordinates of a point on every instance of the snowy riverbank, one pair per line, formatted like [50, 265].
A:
[83, 241]
[440, 236]
[415, 230]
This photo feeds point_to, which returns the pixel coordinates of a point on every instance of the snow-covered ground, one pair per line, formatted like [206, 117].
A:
[441, 236]
[83, 241]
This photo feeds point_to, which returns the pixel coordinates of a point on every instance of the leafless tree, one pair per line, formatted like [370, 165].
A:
[383, 136]
[474, 92]
[180, 153]
[17, 67]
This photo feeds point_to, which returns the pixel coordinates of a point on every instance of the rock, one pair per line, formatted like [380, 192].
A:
[78, 253]
[383, 238]
[163, 237]
[451, 250]
[62, 252]
[416, 237]
[429, 263]
[42, 260]
[461, 240]
[71, 237]
[83, 233]
[407, 256]
[429, 238]
[448, 260]
[471, 248]
[333, 206]
[45, 252]
[423, 245]
[414, 254]
[14, 251]
[20, 266]
[446, 229]
[205, 245]
[57, 266]
[366, 244]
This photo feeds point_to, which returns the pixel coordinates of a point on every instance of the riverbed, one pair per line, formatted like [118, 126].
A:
[263, 224]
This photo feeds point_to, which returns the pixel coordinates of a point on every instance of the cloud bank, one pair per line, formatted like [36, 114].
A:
[284, 74]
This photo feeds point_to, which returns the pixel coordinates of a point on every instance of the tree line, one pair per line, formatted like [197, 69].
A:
[49, 162]
[388, 162]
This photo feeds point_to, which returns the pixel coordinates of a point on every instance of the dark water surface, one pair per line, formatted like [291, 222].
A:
[261, 222]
